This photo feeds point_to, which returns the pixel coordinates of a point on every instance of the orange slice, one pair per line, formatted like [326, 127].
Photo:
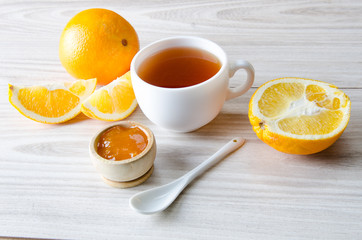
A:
[299, 116]
[52, 103]
[112, 102]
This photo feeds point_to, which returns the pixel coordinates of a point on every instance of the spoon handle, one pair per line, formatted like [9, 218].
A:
[231, 146]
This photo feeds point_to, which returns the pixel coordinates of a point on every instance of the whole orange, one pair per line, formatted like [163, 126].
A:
[98, 43]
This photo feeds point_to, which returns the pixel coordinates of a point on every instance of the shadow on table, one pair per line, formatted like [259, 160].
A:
[79, 118]
[342, 152]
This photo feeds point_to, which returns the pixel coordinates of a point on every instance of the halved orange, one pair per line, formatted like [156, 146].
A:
[52, 103]
[112, 102]
[299, 116]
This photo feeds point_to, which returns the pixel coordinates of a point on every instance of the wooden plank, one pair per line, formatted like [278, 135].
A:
[281, 39]
[49, 188]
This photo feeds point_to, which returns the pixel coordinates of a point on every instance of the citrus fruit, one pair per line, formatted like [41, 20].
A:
[112, 102]
[98, 43]
[52, 103]
[299, 116]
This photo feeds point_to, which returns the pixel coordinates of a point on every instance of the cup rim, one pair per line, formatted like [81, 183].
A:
[95, 138]
[155, 43]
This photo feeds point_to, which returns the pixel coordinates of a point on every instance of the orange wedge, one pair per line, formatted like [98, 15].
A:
[52, 103]
[112, 102]
[299, 116]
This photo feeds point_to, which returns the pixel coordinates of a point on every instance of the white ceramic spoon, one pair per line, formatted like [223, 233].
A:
[159, 198]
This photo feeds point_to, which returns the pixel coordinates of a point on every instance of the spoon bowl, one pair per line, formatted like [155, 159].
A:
[159, 198]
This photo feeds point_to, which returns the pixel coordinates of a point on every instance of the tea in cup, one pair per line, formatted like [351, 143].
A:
[181, 83]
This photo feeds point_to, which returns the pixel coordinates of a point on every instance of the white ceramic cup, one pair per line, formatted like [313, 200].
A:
[188, 108]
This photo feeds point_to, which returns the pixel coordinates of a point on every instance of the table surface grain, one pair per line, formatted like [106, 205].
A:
[50, 189]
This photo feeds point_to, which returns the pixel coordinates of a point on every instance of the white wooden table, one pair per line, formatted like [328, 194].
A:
[49, 188]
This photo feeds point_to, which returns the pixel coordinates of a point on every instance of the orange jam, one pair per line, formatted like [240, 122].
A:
[120, 143]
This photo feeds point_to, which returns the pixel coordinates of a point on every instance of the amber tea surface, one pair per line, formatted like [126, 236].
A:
[179, 67]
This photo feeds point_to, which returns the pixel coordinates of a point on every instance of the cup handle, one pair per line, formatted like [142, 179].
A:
[250, 73]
